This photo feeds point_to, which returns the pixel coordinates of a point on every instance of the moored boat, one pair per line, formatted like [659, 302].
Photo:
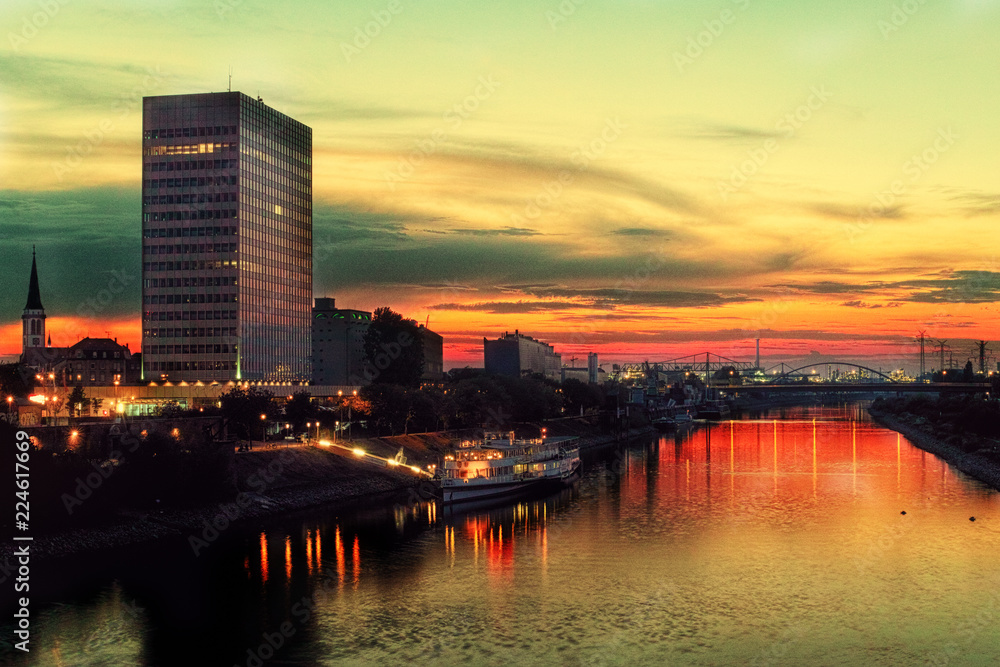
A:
[499, 465]
[714, 410]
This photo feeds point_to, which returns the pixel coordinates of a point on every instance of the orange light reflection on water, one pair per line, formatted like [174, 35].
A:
[288, 558]
[263, 556]
[319, 551]
[338, 548]
[356, 561]
[309, 552]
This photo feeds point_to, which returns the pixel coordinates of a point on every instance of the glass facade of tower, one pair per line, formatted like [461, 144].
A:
[227, 240]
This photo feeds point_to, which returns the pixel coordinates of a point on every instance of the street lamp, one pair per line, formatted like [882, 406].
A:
[335, 429]
[263, 429]
[10, 399]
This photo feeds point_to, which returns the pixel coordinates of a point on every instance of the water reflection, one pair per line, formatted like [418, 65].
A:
[765, 539]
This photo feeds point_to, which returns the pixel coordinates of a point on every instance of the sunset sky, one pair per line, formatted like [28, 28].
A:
[644, 179]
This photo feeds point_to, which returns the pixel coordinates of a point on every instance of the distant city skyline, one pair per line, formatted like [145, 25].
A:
[641, 181]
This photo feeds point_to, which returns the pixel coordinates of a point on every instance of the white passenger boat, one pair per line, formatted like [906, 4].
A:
[501, 464]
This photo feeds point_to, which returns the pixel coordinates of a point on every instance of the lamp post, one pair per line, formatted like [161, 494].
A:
[336, 428]
[10, 399]
[350, 417]
[263, 429]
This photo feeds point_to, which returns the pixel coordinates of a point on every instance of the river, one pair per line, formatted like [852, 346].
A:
[807, 536]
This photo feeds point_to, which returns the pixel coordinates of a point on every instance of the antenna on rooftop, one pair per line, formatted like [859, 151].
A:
[230, 78]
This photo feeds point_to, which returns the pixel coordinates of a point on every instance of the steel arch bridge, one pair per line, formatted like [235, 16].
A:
[693, 362]
[709, 362]
[788, 374]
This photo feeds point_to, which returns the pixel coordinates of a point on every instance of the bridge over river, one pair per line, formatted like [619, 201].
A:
[720, 371]
[855, 387]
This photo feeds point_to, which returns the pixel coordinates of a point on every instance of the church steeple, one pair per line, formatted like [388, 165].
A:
[34, 298]
[33, 317]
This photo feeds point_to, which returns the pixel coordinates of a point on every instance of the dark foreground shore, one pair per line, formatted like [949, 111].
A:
[976, 457]
[272, 483]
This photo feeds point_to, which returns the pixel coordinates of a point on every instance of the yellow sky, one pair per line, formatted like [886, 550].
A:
[663, 174]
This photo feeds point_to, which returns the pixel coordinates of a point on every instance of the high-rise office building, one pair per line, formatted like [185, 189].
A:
[226, 240]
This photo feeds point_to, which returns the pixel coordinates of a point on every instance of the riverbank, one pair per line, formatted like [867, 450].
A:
[272, 483]
[975, 456]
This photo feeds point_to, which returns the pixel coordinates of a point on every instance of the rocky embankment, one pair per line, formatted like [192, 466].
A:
[975, 456]
[270, 483]
[275, 482]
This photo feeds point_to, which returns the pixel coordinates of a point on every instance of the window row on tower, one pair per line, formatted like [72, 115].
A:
[168, 216]
[210, 348]
[191, 198]
[199, 182]
[211, 332]
[192, 366]
[181, 132]
[188, 248]
[191, 281]
[191, 265]
[177, 299]
[171, 232]
[190, 315]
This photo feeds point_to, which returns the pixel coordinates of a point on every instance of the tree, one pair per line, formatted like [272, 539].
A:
[579, 394]
[389, 407]
[968, 374]
[394, 350]
[299, 410]
[77, 399]
[242, 408]
[15, 380]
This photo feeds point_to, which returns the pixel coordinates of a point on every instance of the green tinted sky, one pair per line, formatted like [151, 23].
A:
[692, 165]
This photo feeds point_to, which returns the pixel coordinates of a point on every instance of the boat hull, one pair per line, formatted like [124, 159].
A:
[472, 491]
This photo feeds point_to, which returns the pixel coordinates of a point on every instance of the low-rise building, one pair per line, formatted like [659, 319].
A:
[338, 351]
[515, 354]
[338, 343]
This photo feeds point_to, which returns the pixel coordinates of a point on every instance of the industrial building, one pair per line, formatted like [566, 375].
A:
[339, 352]
[515, 354]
